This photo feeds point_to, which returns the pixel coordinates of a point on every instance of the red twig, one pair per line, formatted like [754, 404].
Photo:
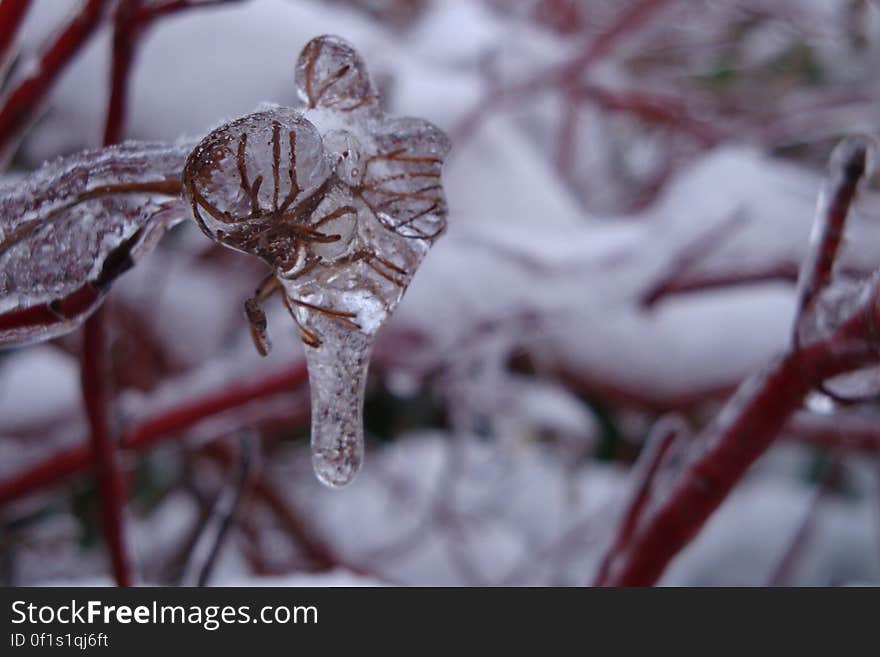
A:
[841, 432]
[95, 368]
[848, 164]
[690, 255]
[568, 75]
[131, 21]
[111, 485]
[321, 555]
[318, 552]
[631, 19]
[20, 106]
[656, 452]
[744, 429]
[785, 569]
[652, 108]
[759, 411]
[699, 282]
[183, 416]
[688, 282]
[127, 32]
[12, 13]
[564, 16]
[630, 395]
[144, 435]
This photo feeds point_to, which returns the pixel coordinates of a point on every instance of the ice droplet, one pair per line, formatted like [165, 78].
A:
[342, 203]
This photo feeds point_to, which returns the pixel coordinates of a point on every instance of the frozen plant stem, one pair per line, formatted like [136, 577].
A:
[566, 77]
[232, 499]
[320, 555]
[95, 368]
[785, 570]
[12, 13]
[147, 434]
[848, 167]
[21, 104]
[131, 20]
[656, 453]
[111, 486]
[752, 419]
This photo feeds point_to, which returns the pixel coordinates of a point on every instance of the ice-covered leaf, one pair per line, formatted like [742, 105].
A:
[248, 175]
[331, 74]
[71, 227]
[342, 206]
[402, 181]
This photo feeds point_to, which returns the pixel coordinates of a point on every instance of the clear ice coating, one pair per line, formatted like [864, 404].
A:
[342, 202]
[69, 228]
[828, 298]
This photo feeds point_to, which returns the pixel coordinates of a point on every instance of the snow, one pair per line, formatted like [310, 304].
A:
[42, 373]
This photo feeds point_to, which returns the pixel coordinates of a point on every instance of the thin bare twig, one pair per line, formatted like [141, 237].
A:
[144, 435]
[655, 454]
[20, 106]
[784, 571]
[103, 448]
[229, 514]
[12, 14]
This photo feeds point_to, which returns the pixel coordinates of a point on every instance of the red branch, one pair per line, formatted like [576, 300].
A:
[759, 411]
[568, 75]
[632, 19]
[848, 164]
[127, 32]
[688, 282]
[131, 21]
[144, 435]
[12, 13]
[20, 106]
[94, 373]
[692, 253]
[654, 456]
[843, 432]
[751, 420]
[316, 550]
[653, 108]
[785, 569]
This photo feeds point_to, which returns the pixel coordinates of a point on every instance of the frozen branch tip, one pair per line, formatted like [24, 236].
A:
[340, 200]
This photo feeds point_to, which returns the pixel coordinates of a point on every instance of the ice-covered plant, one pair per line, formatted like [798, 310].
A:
[341, 201]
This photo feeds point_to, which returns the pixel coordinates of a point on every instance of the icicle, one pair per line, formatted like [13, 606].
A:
[338, 375]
